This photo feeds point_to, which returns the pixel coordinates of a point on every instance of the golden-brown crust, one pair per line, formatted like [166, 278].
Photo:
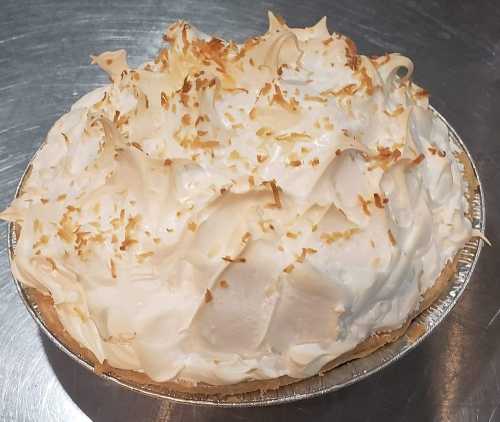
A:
[371, 344]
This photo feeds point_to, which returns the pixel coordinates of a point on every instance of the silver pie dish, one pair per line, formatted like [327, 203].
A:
[337, 378]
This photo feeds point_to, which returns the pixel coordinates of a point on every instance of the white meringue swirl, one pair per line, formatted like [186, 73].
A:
[241, 211]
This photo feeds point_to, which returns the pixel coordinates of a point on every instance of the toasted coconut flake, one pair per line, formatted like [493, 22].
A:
[186, 119]
[164, 100]
[197, 143]
[246, 237]
[51, 262]
[314, 227]
[113, 268]
[132, 222]
[345, 91]
[44, 239]
[253, 113]
[234, 155]
[192, 226]
[66, 139]
[366, 81]
[329, 238]
[137, 145]
[145, 254]
[251, 181]
[292, 235]
[123, 120]
[329, 126]
[266, 226]
[364, 204]
[184, 98]
[315, 98]
[289, 268]
[378, 200]
[236, 90]
[418, 160]
[399, 109]
[279, 99]
[127, 243]
[98, 238]
[37, 225]
[234, 260]
[44, 201]
[66, 234]
[293, 136]
[392, 239]
[314, 162]
[223, 284]
[141, 257]
[208, 296]
[295, 163]
[384, 152]
[352, 59]
[305, 251]
[265, 89]
[167, 162]
[343, 213]
[276, 194]
[134, 75]
[442, 153]
[186, 85]
[264, 131]
[261, 158]
[384, 157]
[61, 197]
[421, 93]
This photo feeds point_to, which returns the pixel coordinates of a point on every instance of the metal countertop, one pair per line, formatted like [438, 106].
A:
[44, 67]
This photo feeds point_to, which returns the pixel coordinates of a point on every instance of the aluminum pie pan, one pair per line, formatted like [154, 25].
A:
[335, 379]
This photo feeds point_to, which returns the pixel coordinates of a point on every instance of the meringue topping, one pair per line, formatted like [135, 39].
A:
[230, 211]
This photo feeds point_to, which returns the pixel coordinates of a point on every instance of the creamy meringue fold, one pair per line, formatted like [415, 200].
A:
[230, 211]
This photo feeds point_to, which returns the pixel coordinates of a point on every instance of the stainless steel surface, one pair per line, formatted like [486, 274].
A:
[453, 375]
[335, 379]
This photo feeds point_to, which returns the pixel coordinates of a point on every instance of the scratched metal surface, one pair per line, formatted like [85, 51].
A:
[44, 49]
